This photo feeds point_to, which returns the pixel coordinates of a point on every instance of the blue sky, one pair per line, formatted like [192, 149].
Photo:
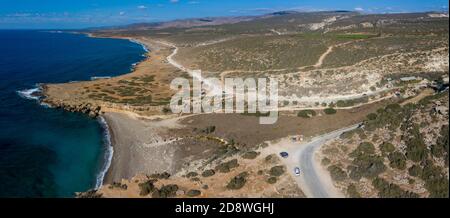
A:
[26, 14]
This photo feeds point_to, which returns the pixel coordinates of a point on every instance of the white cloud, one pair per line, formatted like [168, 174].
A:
[359, 9]
[122, 13]
[142, 7]
[193, 2]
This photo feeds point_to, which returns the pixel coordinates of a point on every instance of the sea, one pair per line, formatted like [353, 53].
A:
[47, 152]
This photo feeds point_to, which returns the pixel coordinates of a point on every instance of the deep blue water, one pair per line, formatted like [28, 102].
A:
[49, 152]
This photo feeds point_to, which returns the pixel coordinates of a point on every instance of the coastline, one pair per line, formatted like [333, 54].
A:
[109, 152]
[108, 166]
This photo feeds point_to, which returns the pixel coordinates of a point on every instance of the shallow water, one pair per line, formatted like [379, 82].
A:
[48, 152]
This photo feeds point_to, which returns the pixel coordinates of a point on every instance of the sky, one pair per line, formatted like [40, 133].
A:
[74, 14]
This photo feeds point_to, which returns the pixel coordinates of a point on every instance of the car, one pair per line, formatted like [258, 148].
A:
[284, 154]
[297, 171]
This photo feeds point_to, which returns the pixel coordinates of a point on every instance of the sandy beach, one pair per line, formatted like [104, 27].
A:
[138, 148]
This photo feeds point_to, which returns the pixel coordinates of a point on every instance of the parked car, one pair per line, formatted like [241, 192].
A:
[284, 154]
[297, 171]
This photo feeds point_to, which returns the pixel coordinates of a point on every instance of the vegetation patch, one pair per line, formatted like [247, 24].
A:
[329, 111]
[147, 187]
[227, 166]
[208, 173]
[390, 190]
[337, 173]
[166, 191]
[238, 181]
[250, 155]
[306, 113]
[193, 193]
[277, 171]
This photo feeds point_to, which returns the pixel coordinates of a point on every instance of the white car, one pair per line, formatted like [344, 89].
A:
[297, 171]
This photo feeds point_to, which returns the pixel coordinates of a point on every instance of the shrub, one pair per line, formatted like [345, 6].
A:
[329, 111]
[191, 174]
[238, 181]
[436, 182]
[118, 185]
[272, 180]
[365, 162]
[364, 148]
[389, 190]
[306, 113]
[325, 161]
[337, 173]
[227, 166]
[372, 116]
[193, 193]
[209, 129]
[397, 160]
[250, 155]
[147, 187]
[416, 150]
[277, 171]
[166, 191]
[208, 173]
[164, 175]
[415, 170]
[352, 191]
[442, 143]
[386, 148]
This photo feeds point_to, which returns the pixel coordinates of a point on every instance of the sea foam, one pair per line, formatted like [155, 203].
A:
[108, 154]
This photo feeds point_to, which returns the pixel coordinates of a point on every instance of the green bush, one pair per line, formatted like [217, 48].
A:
[325, 161]
[372, 116]
[193, 193]
[208, 173]
[191, 174]
[436, 182]
[337, 173]
[329, 111]
[364, 148]
[166, 191]
[416, 150]
[250, 155]
[147, 187]
[227, 166]
[352, 191]
[164, 175]
[277, 171]
[386, 148]
[238, 181]
[389, 190]
[397, 160]
[272, 180]
[306, 113]
[415, 170]
[365, 163]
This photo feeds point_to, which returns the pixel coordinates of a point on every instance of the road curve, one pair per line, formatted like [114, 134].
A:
[314, 183]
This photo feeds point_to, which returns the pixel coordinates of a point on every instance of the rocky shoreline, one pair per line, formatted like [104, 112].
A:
[87, 108]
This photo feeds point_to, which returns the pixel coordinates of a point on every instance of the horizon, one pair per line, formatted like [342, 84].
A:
[51, 14]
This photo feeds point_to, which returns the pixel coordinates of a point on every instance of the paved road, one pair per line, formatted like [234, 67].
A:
[314, 184]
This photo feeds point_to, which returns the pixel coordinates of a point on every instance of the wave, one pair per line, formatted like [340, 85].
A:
[141, 44]
[109, 151]
[30, 93]
[100, 77]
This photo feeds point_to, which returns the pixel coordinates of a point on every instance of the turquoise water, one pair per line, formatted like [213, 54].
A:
[48, 152]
